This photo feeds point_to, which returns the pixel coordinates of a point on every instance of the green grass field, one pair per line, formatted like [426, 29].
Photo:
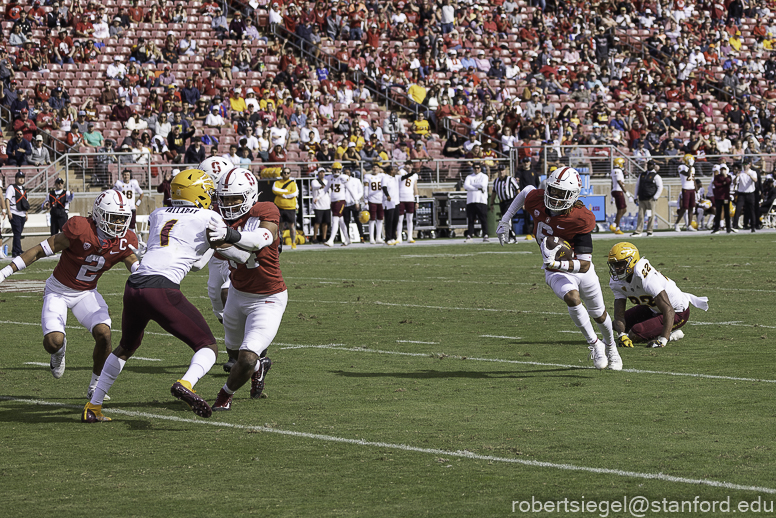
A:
[410, 381]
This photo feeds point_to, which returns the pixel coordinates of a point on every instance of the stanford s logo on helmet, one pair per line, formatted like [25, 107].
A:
[112, 213]
[237, 191]
[215, 167]
[563, 187]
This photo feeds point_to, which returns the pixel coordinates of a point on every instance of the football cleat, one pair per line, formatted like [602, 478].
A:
[598, 355]
[223, 401]
[93, 414]
[293, 246]
[57, 363]
[90, 393]
[618, 231]
[328, 243]
[529, 237]
[485, 239]
[410, 240]
[676, 335]
[258, 377]
[228, 365]
[198, 405]
[615, 362]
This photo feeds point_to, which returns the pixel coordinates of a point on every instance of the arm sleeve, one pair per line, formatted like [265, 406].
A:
[659, 183]
[583, 245]
[517, 204]
[278, 190]
[467, 184]
[235, 254]
[202, 261]
[253, 237]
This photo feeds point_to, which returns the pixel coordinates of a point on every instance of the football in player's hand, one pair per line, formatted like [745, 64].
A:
[564, 253]
[215, 244]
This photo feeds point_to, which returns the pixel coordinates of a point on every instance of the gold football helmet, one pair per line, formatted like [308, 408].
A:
[619, 162]
[363, 217]
[688, 160]
[622, 260]
[192, 187]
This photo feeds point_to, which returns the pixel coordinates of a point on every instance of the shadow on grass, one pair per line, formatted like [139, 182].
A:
[433, 374]
[160, 369]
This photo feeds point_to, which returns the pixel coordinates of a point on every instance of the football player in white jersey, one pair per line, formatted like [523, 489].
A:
[687, 199]
[373, 196]
[218, 269]
[336, 186]
[321, 206]
[390, 202]
[353, 198]
[618, 193]
[177, 244]
[661, 307]
[408, 193]
[131, 190]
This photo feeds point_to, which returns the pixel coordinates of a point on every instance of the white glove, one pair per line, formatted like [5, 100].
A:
[137, 203]
[217, 227]
[502, 232]
[549, 256]
[139, 252]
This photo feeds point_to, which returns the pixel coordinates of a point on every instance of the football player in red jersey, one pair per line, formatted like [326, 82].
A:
[556, 211]
[257, 296]
[90, 246]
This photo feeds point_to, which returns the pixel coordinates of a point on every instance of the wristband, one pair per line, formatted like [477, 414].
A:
[575, 266]
[134, 267]
[19, 262]
[46, 248]
[232, 235]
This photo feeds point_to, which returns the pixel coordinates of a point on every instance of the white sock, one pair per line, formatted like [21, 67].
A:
[606, 330]
[335, 226]
[399, 227]
[201, 363]
[410, 228]
[344, 231]
[93, 383]
[371, 230]
[227, 389]
[379, 225]
[580, 317]
[110, 371]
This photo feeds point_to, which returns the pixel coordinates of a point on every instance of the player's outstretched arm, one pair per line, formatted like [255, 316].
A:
[663, 304]
[132, 263]
[47, 248]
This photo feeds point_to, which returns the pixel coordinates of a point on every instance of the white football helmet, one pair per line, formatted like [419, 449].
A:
[563, 187]
[215, 166]
[112, 213]
[238, 182]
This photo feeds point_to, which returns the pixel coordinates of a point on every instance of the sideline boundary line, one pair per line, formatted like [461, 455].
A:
[519, 362]
[465, 454]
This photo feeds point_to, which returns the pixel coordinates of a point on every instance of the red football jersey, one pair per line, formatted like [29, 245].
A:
[565, 226]
[87, 258]
[261, 274]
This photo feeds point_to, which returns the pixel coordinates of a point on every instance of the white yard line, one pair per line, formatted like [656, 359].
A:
[415, 342]
[504, 337]
[464, 454]
[521, 362]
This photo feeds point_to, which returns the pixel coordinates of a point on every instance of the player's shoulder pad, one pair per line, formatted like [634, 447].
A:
[265, 211]
[78, 227]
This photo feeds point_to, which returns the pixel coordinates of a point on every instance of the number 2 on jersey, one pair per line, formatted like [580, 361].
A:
[87, 271]
[542, 230]
[164, 234]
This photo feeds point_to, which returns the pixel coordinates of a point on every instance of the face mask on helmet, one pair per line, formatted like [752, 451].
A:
[111, 214]
[620, 270]
[558, 199]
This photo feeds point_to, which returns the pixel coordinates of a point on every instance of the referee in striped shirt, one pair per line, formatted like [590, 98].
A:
[505, 188]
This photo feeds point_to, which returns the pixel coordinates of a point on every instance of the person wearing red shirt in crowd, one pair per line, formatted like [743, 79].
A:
[121, 112]
[373, 36]
[25, 125]
[13, 10]
[84, 28]
[37, 13]
[277, 155]
[136, 13]
[673, 94]
[46, 119]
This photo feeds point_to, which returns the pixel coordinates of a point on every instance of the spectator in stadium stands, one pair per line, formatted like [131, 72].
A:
[195, 154]
[219, 24]
[25, 125]
[117, 69]
[39, 154]
[164, 187]
[236, 27]
[214, 119]
[18, 150]
[17, 38]
[163, 125]
[81, 121]
[277, 155]
[176, 142]
[46, 119]
[116, 30]
[121, 112]
[10, 94]
[93, 137]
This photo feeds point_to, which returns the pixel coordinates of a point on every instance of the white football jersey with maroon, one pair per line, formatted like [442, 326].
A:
[176, 240]
[336, 186]
[373, 187]
[646, 284]
[131, 190]
[88, 257]
[407, 186]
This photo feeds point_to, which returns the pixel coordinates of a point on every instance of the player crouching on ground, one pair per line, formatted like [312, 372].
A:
[661, 307]
[177, 244]
[557, 212]
[90, 246]
[257, 296]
